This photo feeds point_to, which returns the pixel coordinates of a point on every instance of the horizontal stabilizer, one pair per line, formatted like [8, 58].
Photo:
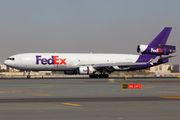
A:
[170, 47]
[163, 58]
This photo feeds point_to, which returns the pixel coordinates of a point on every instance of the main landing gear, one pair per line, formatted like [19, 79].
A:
[99, 76]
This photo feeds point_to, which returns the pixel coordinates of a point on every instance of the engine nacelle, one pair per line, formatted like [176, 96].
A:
[70, 72]
[145, 49]
[86, 70]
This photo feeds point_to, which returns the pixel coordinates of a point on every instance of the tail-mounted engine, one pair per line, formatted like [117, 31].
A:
[160, 50]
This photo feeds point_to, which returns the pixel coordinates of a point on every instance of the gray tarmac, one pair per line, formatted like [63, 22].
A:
[87, 99]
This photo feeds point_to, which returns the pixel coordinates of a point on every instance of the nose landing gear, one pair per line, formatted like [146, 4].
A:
[29, 76]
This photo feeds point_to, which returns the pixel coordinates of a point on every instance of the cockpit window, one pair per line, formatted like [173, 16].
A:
[10, 58]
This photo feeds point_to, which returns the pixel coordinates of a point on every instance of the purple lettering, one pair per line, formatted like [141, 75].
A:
[51, 60]
[44, 61]
[37, 59]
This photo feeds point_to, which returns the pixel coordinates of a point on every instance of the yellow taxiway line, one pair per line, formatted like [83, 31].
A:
[71, 104]
[171, 97]
[150, 87]
[166, 92]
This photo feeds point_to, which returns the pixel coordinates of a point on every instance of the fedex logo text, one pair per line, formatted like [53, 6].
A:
[54, 60]
[158, 50]
[86, 70]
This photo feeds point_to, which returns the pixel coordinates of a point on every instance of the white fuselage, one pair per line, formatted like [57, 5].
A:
[65, 61]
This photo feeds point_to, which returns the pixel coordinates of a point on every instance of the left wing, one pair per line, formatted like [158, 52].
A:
[121, 65]
[163, 58]
[125, 64]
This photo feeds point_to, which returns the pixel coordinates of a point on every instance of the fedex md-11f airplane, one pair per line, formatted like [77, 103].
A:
[157, 52]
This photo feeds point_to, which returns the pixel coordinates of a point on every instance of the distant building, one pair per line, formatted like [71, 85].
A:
[3, 67]
[144, 70]
[160, 69]
[9, 69]
[176, 68]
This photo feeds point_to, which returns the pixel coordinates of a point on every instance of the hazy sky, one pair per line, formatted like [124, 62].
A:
[84, 26]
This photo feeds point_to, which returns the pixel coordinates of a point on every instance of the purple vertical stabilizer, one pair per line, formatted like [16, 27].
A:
[162, 37]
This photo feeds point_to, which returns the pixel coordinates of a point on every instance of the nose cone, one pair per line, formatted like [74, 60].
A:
[7, 63]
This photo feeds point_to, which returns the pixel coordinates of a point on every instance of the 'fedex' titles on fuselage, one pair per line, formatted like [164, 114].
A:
[54, 60]
[158, 50]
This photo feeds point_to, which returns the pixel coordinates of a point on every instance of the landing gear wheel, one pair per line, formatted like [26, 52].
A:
[101, 76]
[106, 76]
[93, 76]
[28, 76]
[96, 76]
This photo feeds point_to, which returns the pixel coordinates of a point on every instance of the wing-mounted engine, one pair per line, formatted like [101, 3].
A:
[83, 70]
[160, 50]
[86, 70]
